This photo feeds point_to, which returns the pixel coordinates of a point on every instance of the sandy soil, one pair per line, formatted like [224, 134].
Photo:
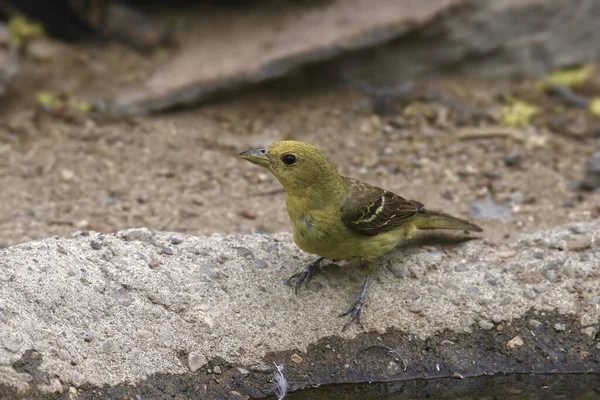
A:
[178, 171]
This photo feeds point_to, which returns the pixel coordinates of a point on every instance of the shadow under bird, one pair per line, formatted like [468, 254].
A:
[340, 218]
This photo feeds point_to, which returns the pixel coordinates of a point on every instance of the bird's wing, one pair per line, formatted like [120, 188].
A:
[371, 210]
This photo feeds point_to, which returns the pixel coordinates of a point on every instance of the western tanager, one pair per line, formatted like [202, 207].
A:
[340, 218]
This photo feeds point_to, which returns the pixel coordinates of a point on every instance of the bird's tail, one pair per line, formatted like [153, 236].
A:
[433, 220]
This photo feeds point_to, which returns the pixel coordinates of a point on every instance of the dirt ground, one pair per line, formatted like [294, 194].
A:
[178, 171]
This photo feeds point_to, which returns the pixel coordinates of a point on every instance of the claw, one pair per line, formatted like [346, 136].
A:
[355, 310]
[305, 275]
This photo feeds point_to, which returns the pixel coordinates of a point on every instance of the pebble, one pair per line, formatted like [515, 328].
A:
[591, 180]
[217, 370]
[399, 271]
[136, 234]
[506, 300]
[490, 209]
[196, 361]
[166, 250]
[529, 293]
[296, 359]
[558, 327]
[461, 268]
[534, 324]
[393, 368]
[154, 263]
[175, 240]
[490, 279]
[96, 244]
[485, 324]
[235, 395]
[260, 263]
[590, 331]
[550, 275]
[579, 243]
[472, 291]
[88, 336]
[243, 371]
[243, 251]
[261, 368]
[513, 159]
[515, 342]
[415, 308]
[412, 295]
[538, 255]
[436, 292]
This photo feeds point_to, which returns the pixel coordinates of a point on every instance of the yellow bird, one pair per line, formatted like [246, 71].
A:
[340, 218]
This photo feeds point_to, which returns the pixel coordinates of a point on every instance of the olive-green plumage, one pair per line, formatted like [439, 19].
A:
[341, 218]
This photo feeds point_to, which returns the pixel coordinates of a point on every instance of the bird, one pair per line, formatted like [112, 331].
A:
[340, 218]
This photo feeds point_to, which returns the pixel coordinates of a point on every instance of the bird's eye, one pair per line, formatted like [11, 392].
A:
[288, 159]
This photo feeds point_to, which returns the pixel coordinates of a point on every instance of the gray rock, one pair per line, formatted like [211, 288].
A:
[142, 321]
[196, 361]
[558, 327]
[399, 271]
[260, 263]
[490, 209]
[96, 244]
[534, 324]
[513, 159]
[166, 250]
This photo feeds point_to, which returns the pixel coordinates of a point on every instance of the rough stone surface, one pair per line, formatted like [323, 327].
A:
[105, 316]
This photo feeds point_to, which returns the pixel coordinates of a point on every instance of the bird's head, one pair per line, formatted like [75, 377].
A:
[296, 165]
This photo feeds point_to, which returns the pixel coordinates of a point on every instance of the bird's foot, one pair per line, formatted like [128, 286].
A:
[354, 312]
[304, 275]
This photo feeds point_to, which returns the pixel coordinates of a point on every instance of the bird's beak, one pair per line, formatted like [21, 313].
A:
[256, 156]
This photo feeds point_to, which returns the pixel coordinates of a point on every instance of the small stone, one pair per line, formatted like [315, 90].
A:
[243, 371]
[436, 292]
[460, 268]
[550, 275]
[472, 291]
[399, 271]
[296, 359]
[175, 240]
[393, 368]
[261, 368]
[166, 250]
[579, 243]
[529, 293]
[534, 324]
[558, 327]
[591, 180]
[235, 395]
[513, 159]
[61, 249]
[590, 331]
[196, 361]
[506, 300]
[67, 175]
[248, 214]
[243, 251]
[217, 370]
[154, 263]
[96, 244]
[515, 342]
[412, 295]
[260, 263]
[490, 279]
[10, 345]
[538, 255]
[136, 234]
[415, 308]
[490, 209]
[88, 336]
[485, 325]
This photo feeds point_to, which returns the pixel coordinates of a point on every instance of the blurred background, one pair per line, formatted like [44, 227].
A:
[121, 114]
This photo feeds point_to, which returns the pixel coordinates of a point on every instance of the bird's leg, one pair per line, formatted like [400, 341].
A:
[305, 275]
[355, 310]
